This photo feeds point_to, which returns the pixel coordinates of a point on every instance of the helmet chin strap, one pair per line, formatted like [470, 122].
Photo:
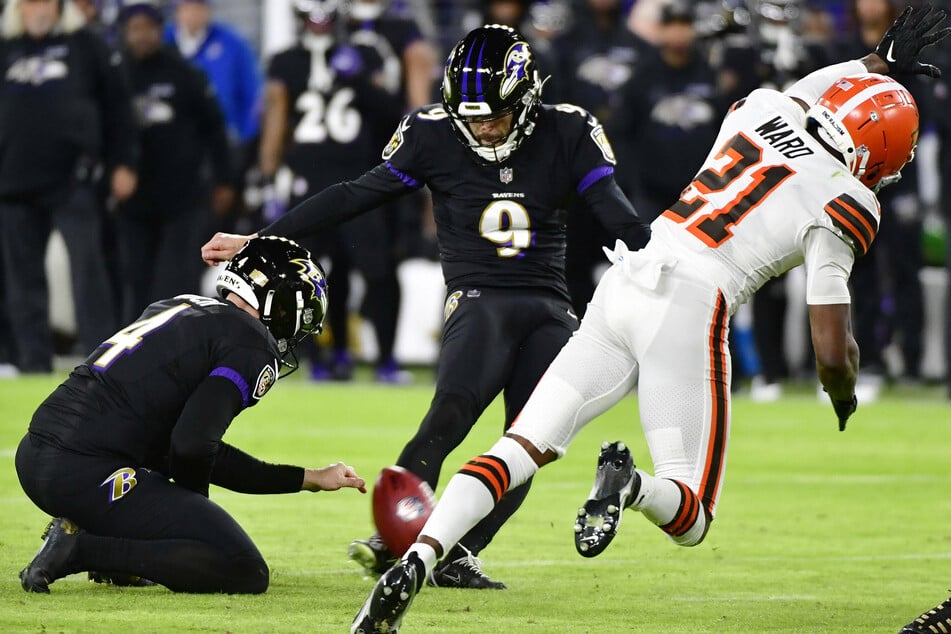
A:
[500, 152]
[495, 153]
[288, 347]
[521, 127]
[288, 367]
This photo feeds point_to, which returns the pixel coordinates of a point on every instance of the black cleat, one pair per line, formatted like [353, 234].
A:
[616, 484]
[52, 560]
[392, 595]
[372, 554]
[119, 579]
[937, 620]
[464, 572]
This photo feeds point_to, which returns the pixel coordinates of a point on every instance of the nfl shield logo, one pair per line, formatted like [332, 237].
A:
[505, 175]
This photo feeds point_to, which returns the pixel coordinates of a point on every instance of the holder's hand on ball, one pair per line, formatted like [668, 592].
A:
[336, 476]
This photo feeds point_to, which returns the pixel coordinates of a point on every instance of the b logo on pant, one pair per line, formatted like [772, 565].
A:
[121, 482]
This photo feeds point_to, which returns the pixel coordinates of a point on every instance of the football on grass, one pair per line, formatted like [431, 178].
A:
[402, 502]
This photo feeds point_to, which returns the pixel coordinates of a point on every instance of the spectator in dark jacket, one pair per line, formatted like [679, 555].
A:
[669, 116]
[65, 122]
[180, 125]
[589, 63]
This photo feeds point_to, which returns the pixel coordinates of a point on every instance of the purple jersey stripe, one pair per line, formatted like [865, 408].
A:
[237, 379]
[594, 176]
[408, 180]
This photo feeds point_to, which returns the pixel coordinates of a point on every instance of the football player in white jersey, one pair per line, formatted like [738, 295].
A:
[791, 180]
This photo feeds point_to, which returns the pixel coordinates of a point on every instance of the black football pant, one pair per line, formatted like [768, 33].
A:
[583, 254]
[494, 340]
[366, 244]
[158, 252]
[137, 522]
[769, 328]
[25, 227]
[7, 348]
[887, 296]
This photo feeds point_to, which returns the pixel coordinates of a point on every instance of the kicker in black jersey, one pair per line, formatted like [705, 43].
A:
[500, 224]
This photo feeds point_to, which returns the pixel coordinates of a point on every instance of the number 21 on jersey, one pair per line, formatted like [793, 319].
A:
[711, 224]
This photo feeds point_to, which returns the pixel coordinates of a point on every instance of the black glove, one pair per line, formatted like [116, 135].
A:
[844, 409]
[907, 36]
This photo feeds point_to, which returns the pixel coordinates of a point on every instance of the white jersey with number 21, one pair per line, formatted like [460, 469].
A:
[763, 187]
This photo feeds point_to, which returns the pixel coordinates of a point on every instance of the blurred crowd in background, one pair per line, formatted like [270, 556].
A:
[134, 130]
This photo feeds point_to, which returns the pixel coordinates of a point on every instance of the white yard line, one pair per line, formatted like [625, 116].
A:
[629, 562]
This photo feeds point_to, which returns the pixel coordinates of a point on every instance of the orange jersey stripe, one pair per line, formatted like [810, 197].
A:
[853, 219]
[737, 105]
[716, 442]
[849, 230]
[670, 215]
[864, 217]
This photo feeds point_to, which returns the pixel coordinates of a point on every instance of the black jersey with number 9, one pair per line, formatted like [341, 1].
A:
[502, 224]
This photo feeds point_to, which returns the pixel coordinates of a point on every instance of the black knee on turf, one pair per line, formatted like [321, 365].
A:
[448, 421]
[250, 576]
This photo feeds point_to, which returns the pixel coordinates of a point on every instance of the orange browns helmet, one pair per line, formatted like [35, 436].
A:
[873, 121]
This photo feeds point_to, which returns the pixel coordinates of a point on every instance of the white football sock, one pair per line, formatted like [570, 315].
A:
[473, 492]
[673, 507]
[463, 503]
[426, 553]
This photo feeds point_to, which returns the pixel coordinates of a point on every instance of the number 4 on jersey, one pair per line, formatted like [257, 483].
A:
[130, 337]
[712, 226]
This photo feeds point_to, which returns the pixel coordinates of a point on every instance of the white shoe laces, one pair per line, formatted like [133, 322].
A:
[470, 561]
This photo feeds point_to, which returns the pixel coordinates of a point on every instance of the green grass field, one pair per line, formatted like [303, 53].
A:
[817, 531]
